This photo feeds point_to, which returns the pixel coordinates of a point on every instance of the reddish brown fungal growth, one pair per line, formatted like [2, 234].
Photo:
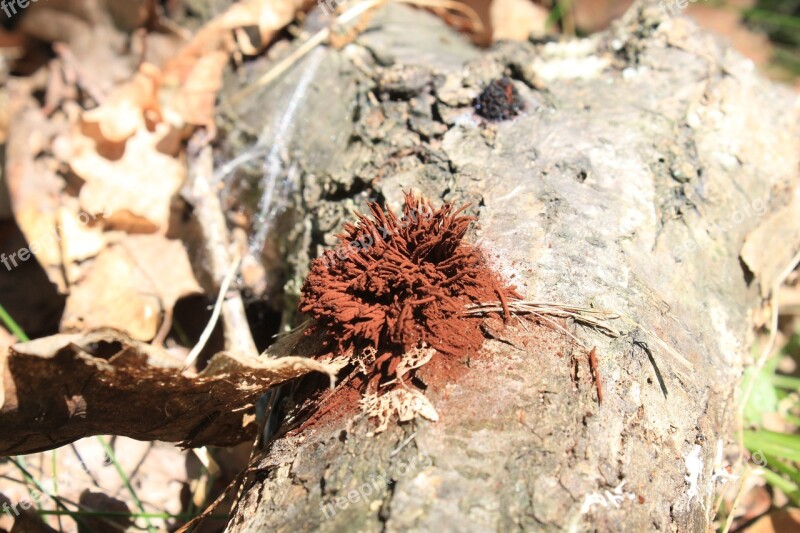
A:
[395, 283]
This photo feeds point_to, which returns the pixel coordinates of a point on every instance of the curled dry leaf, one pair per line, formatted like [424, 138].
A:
[61, 388]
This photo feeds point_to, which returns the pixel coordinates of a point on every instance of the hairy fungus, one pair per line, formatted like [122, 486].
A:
[397, 285]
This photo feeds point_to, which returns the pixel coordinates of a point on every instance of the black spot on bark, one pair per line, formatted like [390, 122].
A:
[500, 100]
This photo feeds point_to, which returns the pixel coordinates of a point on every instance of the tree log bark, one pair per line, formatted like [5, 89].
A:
[652, 173]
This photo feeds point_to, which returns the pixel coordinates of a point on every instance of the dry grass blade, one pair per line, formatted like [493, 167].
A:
[594, 318]
[209, 329]
[658, 340]
[588, 316]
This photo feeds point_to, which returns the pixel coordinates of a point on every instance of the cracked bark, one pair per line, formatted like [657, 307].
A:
[650, 174]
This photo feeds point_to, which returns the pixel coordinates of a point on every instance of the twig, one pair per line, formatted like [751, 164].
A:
[311, 43]
[739, 493]
[209, 329]
[562, 328]
[595, 318]
[200, 193]
[672, 351]
[593, 366]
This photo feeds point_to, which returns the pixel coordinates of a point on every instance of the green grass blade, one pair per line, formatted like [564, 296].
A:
[791, 490]
[127, 482]
[19, 461]
[29, 478]
[782, 468]
[12, 326]
[785, 382]
[781, 445]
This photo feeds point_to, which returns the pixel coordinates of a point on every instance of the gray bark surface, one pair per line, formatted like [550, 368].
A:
[653, 173]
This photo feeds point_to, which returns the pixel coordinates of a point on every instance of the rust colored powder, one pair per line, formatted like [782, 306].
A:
[395, 283]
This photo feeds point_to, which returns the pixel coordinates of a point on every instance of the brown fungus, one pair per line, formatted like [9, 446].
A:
[396, 284]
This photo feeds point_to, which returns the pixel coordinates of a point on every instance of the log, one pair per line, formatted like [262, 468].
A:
[652, 174]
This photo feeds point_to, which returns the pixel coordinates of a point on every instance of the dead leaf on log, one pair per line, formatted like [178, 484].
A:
[61, 388]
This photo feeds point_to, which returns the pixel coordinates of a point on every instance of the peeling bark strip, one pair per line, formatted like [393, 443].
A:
[632, 144]
[59, 389]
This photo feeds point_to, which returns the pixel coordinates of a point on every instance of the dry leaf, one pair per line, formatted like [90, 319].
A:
[778, 520]
[517, 20]
[34, 189]
[132, 389]
[195, 73]
[134, 190]
[115, 293]
[166, 264]
[776, 227]
[130, 286]
[81, 235]
[196, 99]
[125, 109]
